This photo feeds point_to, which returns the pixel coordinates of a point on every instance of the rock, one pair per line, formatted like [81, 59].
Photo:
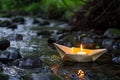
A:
[12, 26]
[1, 66]
[50, 42]
[64, 39]
[46, 69]
[112, 33]
[9, 55]
[5, 23]
[19, 20]
[47, 76]
[28, 63]
[88, 42]
[116, 46]
[116, 60]
[111, 44]
[4, 77]
[35, 21]
[14, 72]
[15, 37]
[13, 53]
[107, 43]
[4, 44]
[42, 23]
[4, 56]
[14, 78]
[44, 33]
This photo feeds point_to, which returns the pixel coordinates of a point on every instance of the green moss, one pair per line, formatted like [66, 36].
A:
[115, 31]
[1, 39]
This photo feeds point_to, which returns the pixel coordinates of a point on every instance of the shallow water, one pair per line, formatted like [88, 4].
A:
[33, 45]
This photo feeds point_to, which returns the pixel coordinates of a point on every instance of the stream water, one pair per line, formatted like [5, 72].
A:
[34, 45]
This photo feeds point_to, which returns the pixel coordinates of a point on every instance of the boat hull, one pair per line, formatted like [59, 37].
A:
[66, 55]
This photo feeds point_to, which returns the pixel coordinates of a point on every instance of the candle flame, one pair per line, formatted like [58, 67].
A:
[81, 48]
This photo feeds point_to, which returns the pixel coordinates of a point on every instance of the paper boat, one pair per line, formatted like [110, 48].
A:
[67, 53]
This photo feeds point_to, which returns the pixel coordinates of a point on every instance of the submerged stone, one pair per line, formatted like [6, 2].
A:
[5, 23]
[4, 44]
[46, 69]
[13, 53]
[19, 20]
[36, 21]
[15, 37]
[44, 33]
[12, 26]
[28, 63]
[42, 23]
[1, 66]
[9, 55]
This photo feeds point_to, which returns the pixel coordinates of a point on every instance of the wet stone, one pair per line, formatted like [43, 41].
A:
[50, 42]
[19, 20]
[112, 33]
[44, 33]
[4, 55]
[28, 63]
[1, 66]
[4, 77]
[35, 21]
[46, 69]
[14, 78]
[9, 55]
[15, 37]
[116, 60]
[4, 44]
[87, 41]
[13, 53]
[12, 26]
[42, 23]
[5, 23]
[111, 44]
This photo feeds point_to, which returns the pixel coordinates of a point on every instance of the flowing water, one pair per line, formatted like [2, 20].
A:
[34, 45]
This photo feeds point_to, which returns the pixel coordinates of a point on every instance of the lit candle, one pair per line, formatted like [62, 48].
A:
[81, 51]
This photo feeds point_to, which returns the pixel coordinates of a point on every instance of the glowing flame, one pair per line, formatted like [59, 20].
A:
[81, 74]
[81, 47]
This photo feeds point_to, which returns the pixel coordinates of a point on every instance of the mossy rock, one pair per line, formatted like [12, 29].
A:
[4, 77]
[112, 33]
[4, 44]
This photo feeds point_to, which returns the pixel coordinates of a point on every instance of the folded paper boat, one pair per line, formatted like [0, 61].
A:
[67, 53]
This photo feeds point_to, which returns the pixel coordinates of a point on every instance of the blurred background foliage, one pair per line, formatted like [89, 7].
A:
[48, 8]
